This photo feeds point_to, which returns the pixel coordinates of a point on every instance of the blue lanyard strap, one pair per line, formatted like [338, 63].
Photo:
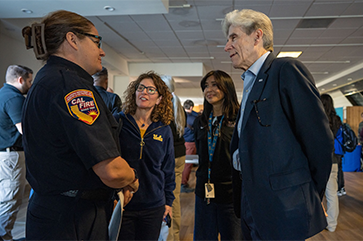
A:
[212, 142]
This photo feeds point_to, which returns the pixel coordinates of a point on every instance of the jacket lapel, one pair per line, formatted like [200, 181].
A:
[257, 88]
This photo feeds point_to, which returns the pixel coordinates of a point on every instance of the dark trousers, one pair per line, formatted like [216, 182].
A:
[66, 218]
[211, 219]
[141, 225]
[340, 175]
[248, 226]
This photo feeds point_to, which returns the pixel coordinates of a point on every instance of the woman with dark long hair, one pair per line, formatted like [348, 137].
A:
[332, 185]
[214, 212]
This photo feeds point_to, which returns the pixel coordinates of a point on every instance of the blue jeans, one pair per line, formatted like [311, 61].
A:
[211, 219]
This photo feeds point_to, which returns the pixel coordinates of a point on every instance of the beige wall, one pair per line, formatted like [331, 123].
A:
[14, 52]
[353, 117]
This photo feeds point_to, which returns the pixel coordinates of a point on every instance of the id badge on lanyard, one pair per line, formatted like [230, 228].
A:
[212, 141]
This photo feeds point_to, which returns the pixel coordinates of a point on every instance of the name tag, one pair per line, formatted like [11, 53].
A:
[209, 190]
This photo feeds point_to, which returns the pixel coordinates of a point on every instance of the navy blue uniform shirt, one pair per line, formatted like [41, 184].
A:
[188, 132]
[112, 100]
[67, 130]
[11, 103]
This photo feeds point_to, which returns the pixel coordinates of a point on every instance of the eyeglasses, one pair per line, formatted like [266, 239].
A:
[150, 89]
[256, 110]
[98, 43]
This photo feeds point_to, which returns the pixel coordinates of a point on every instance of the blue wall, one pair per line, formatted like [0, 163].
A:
[340, 112]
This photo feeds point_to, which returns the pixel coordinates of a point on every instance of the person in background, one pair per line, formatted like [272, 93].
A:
[177, 127]
[70, 137]
[147, 113]
[341, 184]
[12, 160]
[189, 144]
[332, 185]
[282, 145]
[100, 81]
[360, 132]
[214, 211]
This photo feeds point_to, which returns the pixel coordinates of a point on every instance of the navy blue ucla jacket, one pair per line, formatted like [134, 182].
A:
[153, 158]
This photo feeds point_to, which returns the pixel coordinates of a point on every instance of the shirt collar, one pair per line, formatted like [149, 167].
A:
[12, 87]
[56, 60]
[256, 66]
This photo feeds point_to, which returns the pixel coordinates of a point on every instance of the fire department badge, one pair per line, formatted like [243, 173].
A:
[82, 105]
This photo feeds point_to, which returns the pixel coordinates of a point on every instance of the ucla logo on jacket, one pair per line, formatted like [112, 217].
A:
[82, 105]
[158, 138]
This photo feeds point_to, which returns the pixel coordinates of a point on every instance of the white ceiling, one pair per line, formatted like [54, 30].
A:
[155, 31]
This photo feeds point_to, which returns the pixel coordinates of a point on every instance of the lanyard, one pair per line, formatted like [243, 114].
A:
[212, 142]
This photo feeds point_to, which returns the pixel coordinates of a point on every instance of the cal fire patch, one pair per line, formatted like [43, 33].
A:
[82, 106]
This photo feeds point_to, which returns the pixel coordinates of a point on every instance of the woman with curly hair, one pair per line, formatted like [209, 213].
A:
[147, 145]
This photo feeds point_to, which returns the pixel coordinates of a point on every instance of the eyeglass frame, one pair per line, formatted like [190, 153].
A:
[256, 110]
[94, 36]
[148, 88]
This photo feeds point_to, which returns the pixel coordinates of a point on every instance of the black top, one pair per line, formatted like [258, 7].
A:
[221, 168]
[112, 100]
[179, 147]
[67, 130]
[11, 104]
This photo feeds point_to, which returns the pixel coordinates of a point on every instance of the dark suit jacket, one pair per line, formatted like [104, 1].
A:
[285, 165]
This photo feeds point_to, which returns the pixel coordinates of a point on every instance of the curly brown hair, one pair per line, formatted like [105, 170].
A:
[163, 111]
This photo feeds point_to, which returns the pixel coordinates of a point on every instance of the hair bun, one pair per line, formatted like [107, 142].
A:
[34, 38]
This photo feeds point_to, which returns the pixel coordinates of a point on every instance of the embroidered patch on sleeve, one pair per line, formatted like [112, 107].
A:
[82, 105]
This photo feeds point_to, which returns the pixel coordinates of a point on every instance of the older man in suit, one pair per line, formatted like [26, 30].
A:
[282, 145]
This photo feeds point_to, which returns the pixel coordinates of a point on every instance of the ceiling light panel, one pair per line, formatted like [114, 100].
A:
[315, 23]
[293, 54]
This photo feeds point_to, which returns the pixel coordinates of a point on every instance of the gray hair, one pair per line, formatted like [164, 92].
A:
[179, 114]
[15, 71]
[249, 20]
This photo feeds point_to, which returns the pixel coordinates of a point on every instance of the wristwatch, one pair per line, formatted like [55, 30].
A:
[136, 176]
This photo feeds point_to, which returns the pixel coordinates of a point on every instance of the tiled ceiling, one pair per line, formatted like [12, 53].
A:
[333, 52]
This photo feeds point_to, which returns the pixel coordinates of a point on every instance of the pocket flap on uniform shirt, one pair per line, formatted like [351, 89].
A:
[287, 180]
